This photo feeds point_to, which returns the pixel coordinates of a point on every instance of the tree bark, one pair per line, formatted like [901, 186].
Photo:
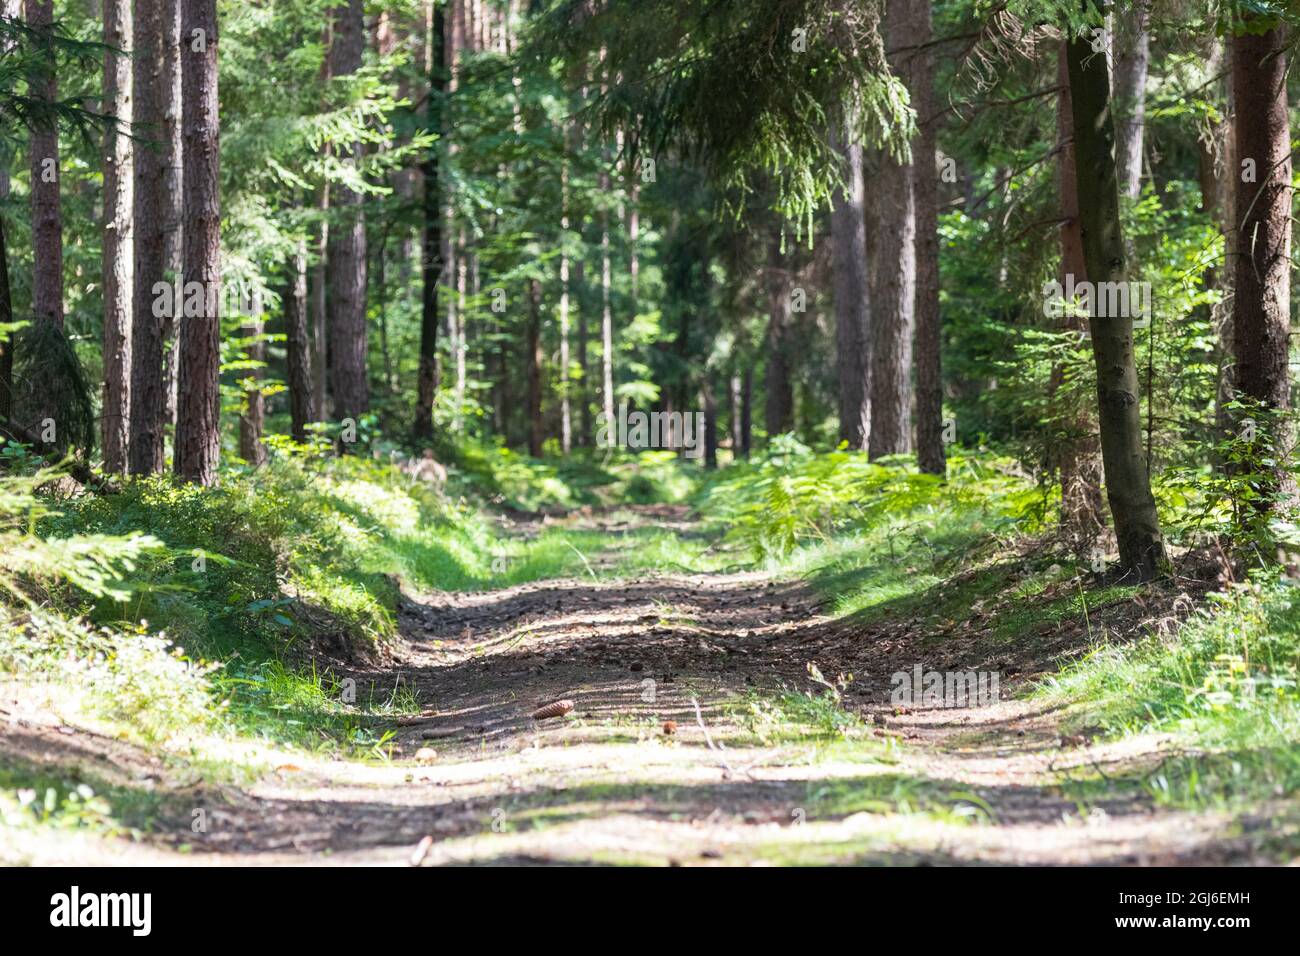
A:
[747, 411]
[198, 406]
[302, 398]
[431, 260]
[47, 221]
[172, 196]
[779, 406]
[1128, 486]
[11, 10]
[6, 338]
[1262, 264]
[117, 246]
[930, 454]
[1131, 35]
[606, 317]
[347, 328]
[253, 419]
[534, 372]
[891, 244]
[852, 295]
[1083, 517]
[148, 391]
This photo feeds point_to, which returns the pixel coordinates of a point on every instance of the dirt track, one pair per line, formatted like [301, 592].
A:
[608, 784]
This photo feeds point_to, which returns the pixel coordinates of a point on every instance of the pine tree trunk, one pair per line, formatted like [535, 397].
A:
[148, 391]
[566, 416]
[1262, 264]
[1131, 37]
[710, 406]
[852, 296]
[172, 196]
[534, 371]
[431, 259]
[1128, 486]
[606, 318]
[734, 395]
[1083, 517]
[302, 404]
[253, 420]
[779, 407]
[347, 327]
[747, 411]
[47, 222]
[117, 246]
[198, 406]
[891, 243]
[930, 454]
[9, 9]
[6, 340]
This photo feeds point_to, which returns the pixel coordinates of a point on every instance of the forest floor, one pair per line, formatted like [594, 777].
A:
[771, 768]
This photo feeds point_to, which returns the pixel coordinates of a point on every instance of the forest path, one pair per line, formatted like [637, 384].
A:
[755, 778]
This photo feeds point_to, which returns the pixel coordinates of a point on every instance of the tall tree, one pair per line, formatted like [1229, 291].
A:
[148, 389]
[302, 397]
[1130, 39]
[779, 391]
[533, 356]
[47, 220]
[118, 257]
[852, 294]
[891, 243]
[1128, 485]
[252, 419]
[431, 258]
[1262, 265]
[173, 194]
[9, 9]
[1077, 456]
[198, 407]
[930, 456]
[349, 384]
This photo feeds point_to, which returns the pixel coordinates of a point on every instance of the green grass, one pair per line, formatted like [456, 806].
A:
[1225, 687]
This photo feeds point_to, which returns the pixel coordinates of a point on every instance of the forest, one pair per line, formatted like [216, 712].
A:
[648, 432]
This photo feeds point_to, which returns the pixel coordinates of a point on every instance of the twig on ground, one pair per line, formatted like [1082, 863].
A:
[717, 749]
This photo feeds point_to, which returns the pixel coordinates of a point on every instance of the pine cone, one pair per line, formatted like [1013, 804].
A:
[557, 709]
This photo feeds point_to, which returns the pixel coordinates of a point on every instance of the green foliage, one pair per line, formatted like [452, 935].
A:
[792, 498]
[1226, 684]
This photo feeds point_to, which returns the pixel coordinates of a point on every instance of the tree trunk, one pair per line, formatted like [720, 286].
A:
[198, 406]
[566, 415]
[347, 328]
[606, 317]
[779, 408]
[1128, 486]
[891, 240]
[117, 247]
[852, 295]
[1131, 35]
[148, 391]
[172, 196]
[734, 395]
[1262, 264]
[710, 408]
[47, 222]
[431, 258]
[1078, 455]
[11, 10]
[747, 411]
[930, 455]
[302, 399]
[252, 421]
[534, 356]
[6, 339]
